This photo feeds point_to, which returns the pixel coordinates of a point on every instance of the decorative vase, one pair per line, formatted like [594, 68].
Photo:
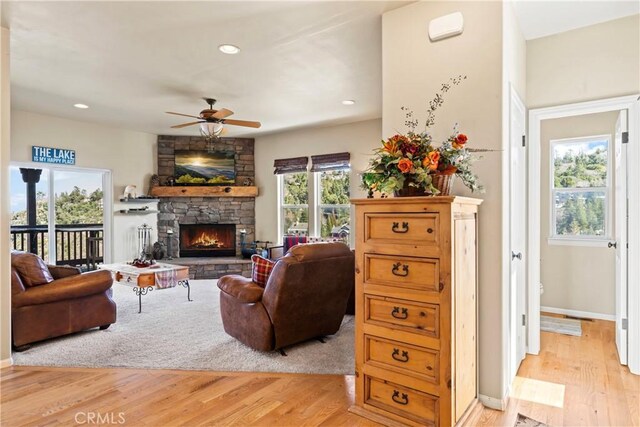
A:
[443, 183]
[409, 190]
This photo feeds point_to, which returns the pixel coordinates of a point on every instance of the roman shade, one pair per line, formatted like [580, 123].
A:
[291, 165]
[327, 162]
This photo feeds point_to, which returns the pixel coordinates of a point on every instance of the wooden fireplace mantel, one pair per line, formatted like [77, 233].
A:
[205, 191]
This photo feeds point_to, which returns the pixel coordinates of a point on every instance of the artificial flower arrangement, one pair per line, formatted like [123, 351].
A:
[410, 165]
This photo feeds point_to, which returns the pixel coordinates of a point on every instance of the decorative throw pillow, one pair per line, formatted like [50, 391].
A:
[32, 270]
[261, 269]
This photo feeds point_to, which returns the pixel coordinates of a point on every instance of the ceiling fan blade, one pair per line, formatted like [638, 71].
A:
[222, 113]
[184, 125]
[245, 123]
[180, 114]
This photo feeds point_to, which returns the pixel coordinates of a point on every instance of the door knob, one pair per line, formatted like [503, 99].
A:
[612, 244]
[516, 255]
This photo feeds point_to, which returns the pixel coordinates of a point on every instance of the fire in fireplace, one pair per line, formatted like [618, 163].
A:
[207, 240]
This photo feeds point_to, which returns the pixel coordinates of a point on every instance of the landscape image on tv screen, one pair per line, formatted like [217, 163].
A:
[205, 168]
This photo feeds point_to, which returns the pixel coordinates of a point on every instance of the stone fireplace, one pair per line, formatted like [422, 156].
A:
[207, 240]
[192, 213]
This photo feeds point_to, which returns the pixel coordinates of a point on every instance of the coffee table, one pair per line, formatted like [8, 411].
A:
[144, 280]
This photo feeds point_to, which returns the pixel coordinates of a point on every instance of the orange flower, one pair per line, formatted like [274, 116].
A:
[405, 165]
[459, 141]
[431, 161]
[390, 146]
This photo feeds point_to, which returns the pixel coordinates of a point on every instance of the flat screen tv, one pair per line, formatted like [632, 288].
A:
[205, 168]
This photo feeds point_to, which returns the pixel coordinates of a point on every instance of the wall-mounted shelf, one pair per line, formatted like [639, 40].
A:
[204, 191]
[139, 200]
[130, 212]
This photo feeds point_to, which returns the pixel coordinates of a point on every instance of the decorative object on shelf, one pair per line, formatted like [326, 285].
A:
[130, 192]
[248, 182]
[154, 181]
[169, 237]
[171, 181]
[158, 251]
[410, 165]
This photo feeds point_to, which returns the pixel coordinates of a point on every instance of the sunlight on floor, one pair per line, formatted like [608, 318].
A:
[537, 391]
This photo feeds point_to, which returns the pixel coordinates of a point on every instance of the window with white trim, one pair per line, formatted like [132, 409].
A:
[333, 209]
[294, 203]
[581, 188]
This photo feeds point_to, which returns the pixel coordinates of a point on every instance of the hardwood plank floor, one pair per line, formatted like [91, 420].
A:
[574, 381]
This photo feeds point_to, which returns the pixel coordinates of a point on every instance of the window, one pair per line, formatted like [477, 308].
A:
[333, 212]
[294, 203]
[580, 188]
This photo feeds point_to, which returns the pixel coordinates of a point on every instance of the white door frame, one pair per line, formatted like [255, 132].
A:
[632, 104]
[107, 211]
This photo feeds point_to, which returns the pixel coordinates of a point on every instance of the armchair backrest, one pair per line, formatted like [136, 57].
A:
[308, 290]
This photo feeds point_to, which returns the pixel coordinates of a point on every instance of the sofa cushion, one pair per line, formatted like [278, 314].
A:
[32, 270]
[261, 269]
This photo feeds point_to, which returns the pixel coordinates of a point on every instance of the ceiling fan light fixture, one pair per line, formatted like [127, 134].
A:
[211, 130]
[229, 49]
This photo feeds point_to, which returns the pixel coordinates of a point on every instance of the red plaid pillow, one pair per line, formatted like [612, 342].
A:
[261, 269]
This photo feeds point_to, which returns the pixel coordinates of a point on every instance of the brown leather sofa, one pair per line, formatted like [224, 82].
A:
[305, 297]
[51, 301]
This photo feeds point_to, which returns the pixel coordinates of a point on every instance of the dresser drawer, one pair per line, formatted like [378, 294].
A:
[420, 229]
[406, 402]
[415, 273]
[405, 358]
[416, 317]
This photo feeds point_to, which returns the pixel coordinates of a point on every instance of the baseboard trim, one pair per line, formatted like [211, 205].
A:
[6, 363]
[578, 313]
[493, 403]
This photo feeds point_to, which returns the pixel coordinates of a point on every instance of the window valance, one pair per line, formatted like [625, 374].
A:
[291, 165]
[327, 162]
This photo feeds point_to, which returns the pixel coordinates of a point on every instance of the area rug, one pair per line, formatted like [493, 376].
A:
[561, 325]
[523, 421]
[172, 333]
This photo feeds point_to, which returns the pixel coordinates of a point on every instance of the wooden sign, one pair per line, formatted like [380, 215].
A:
[60, 156]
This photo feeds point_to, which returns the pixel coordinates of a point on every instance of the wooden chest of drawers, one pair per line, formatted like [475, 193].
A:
[416, 309]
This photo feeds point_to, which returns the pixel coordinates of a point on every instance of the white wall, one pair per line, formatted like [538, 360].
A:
[5, 263]
[568, 284]
[595, 62]
[413, 70]
[359, 139]
[129, 155]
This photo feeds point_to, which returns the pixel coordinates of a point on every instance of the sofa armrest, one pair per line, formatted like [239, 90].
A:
[241, 288]
[61, 271]
[76, 286]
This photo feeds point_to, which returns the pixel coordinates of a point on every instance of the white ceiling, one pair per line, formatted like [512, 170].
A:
[131, 61]
[539, 18]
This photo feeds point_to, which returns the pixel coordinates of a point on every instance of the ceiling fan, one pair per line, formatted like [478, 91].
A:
[212, 121]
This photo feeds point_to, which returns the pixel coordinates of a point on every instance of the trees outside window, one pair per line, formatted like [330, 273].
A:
[334, 210]
[580, 188]
[294, 203]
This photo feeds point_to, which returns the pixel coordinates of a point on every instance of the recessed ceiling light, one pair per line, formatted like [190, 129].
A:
[81, 106]
[229, 49]
[348, 102]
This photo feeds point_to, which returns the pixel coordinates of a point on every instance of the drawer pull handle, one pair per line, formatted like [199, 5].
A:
[396, 355]
[399, 313]
[396, 270]
[404, 400]
[396, 227]
[429, 230]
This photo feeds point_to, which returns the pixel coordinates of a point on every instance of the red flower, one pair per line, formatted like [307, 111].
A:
[405, 165]
[459, 141]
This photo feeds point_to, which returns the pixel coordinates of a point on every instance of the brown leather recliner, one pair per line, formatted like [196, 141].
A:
[305, 297]
[51, 301]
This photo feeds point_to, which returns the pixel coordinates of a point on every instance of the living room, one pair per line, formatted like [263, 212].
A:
[325, 81]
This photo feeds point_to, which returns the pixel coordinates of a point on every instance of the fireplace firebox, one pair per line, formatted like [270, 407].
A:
[207, 240]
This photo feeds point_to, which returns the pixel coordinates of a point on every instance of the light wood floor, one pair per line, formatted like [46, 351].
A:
[573, 382]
